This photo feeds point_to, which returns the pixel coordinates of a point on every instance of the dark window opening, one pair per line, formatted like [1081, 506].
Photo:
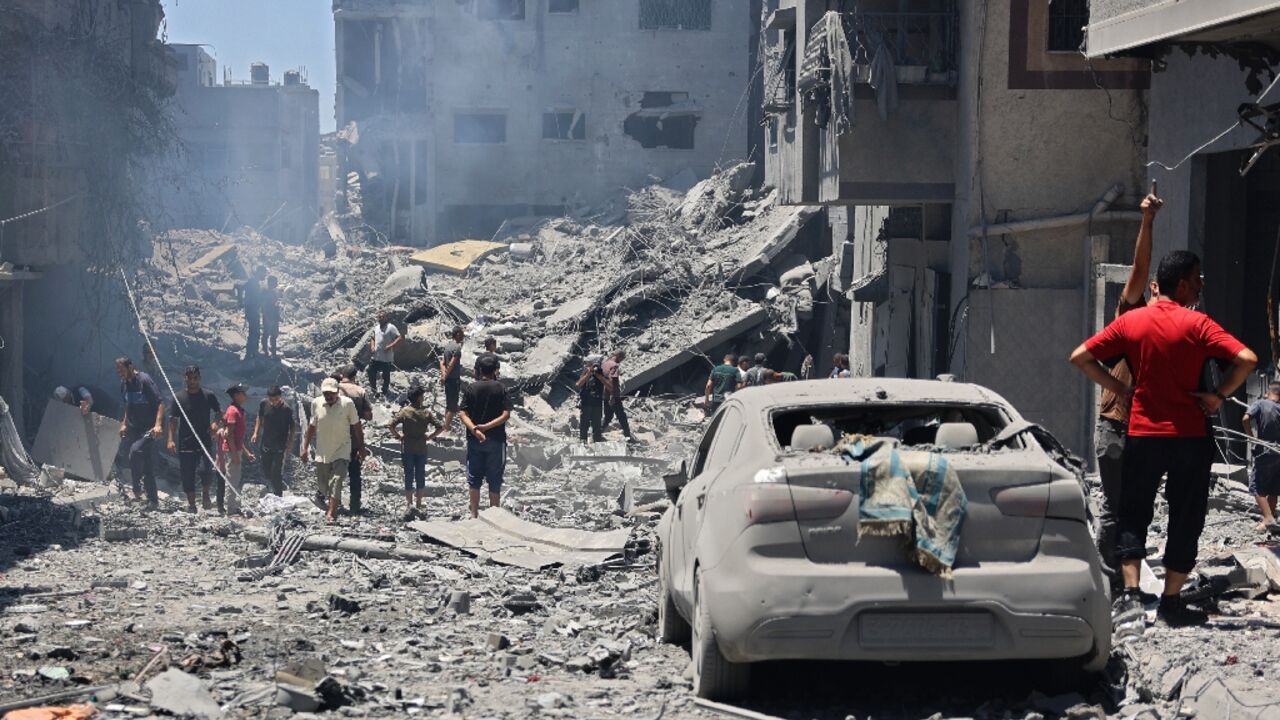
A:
[564, 126]
[1067, 19]
[479, 128]
[500, 9]
[562, 6]
[675, 14]
[672, 131]
[666, 119]
[789, 64]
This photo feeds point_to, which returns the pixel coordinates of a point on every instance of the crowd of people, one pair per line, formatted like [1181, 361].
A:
[735, 373]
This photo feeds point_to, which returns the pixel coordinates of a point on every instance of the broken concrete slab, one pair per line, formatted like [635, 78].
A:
[182, 694]
[713, 331]
[1211, 697]
[456, 257]
[83, 445]
[402, 282]
[509, 540]
[1261, 558]
[218, 253]
[783, 228]
[543, 361]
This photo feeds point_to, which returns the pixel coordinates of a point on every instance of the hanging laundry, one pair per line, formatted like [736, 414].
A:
[826, 73]
[884, 80]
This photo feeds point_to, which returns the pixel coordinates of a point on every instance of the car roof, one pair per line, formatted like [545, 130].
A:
[864, 391]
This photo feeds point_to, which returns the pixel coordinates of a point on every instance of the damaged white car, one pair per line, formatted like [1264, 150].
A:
[877, 519]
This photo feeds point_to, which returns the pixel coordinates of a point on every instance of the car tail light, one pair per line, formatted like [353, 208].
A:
[770, 499]
[1022, 500]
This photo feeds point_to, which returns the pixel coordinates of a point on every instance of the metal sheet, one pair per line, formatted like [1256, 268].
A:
[81, 445]
[511, 541]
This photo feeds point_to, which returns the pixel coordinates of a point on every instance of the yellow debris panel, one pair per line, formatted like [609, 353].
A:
[455, 257]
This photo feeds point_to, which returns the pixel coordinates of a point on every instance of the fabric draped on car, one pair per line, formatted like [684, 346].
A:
[910, 494]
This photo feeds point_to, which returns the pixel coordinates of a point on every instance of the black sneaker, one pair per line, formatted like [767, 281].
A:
[1173, 612]
[1128, 607]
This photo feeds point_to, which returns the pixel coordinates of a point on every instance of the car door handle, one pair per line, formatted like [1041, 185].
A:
[702, 498]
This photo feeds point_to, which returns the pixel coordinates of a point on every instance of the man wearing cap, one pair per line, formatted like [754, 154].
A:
[333, 432]
[234, 451]
[485, 409]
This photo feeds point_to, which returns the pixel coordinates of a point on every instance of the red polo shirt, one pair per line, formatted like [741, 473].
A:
[1165, 345]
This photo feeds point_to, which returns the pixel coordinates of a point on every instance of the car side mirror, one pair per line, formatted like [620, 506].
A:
[676, 477]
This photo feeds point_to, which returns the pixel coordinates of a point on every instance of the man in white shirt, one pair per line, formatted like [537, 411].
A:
[334, 430]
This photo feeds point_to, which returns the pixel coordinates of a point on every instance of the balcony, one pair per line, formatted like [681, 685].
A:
[899, 152]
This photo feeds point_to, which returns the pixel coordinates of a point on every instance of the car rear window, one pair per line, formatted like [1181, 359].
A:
[912, 424]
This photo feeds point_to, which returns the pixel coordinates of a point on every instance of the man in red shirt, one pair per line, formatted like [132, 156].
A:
[1166, 345]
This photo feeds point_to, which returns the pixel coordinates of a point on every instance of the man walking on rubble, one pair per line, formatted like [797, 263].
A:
[451, 373]
[386, 336]
[721, 384]
[273, 434]
[416, 419]
[271, 318]
[613, 407]
[253, 310]
[335, 433]
[485, 409]
[141, 427]
[1263, 422]
[194, 417]
[234, 451]
[349, 388]
[1166, 345]
[1113, 410]
[591, 390]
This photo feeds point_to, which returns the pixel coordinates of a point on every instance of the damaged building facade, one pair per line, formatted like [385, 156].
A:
[1211, 124]
[975, 170]
[458, 115]
[82, 101]
[247, 154]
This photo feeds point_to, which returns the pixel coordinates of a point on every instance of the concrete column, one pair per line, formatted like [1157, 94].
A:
[11, 376]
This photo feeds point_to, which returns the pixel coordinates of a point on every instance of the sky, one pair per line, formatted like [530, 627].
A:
[285, 34]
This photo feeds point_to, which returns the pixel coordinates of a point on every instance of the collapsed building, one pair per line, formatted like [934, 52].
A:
[979, 178]
[82, 107]
[247, 152]
[456, 116]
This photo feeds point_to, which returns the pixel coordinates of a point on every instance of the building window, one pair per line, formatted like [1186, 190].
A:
[559, 7]
[665, 120]
[675, 14]
[500, 9]
[480, 128]
[564, 125]
[1067, 19]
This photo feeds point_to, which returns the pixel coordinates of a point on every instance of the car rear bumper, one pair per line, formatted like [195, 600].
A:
[770, 608]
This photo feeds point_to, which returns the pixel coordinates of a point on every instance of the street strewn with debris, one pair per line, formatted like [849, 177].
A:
[639, 359]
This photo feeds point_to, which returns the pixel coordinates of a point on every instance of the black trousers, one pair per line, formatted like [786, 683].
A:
[255, 332]
[191, 463]
[141, 456]
[589, 417]
[273, 470]
[376, 368]
[612, 409]
[1186, 462]
[355, 483]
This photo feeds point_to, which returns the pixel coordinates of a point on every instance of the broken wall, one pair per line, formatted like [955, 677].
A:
[530, 112]
[1025, 357]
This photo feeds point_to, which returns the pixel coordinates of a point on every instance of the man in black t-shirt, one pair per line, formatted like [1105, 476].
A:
[192, 443]
[273, 433]
[486, 407]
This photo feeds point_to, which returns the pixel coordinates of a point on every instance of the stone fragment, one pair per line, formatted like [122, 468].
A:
[343, 604]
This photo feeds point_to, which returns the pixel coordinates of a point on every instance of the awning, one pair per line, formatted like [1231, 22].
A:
[1172, 19]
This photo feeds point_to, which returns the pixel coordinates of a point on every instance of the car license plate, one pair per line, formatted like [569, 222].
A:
[926, 630]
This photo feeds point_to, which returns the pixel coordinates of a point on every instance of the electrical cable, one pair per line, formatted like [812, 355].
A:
[174, 393]
[1215, 138]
